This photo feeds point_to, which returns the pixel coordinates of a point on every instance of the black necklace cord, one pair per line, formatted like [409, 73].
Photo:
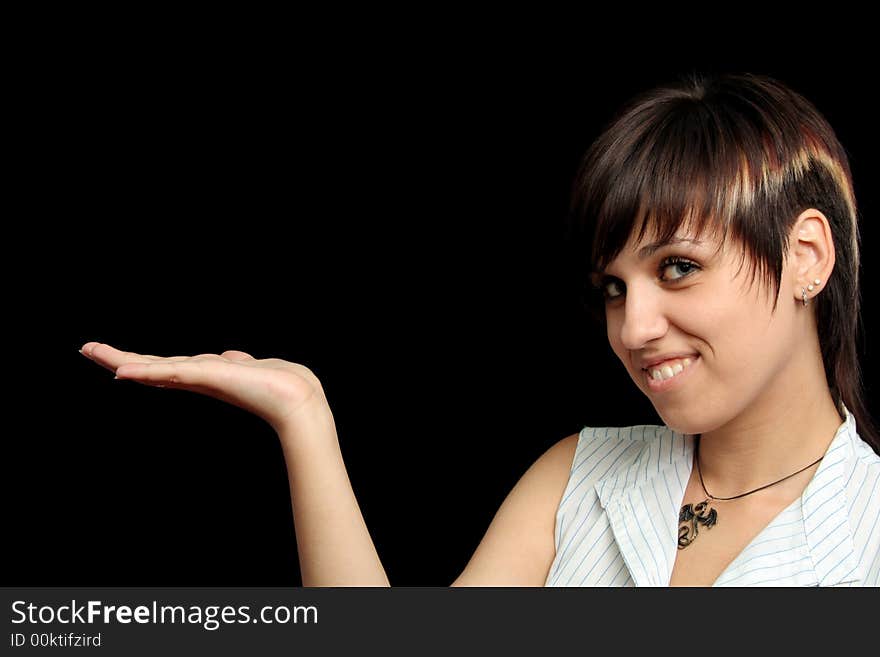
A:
[724, 499]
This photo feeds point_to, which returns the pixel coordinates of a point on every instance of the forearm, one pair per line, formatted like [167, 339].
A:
[334, 544]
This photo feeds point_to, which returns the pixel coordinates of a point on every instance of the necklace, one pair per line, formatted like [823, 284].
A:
[692, 516]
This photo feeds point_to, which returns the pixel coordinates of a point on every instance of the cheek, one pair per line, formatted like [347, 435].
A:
[742, 335]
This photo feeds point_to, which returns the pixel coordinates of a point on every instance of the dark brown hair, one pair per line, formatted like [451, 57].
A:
[734, 154]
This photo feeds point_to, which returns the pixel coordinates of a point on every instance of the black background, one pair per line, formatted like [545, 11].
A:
[391, 217]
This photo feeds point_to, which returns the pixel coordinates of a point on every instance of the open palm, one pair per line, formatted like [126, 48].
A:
[274, 389]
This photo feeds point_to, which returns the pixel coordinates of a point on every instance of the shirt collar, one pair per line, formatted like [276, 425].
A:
[642, 503]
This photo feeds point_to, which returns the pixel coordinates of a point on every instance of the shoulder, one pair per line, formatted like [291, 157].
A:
[546, 479]
[518, 547]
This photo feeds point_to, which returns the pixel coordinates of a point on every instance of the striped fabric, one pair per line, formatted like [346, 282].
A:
[617, 521]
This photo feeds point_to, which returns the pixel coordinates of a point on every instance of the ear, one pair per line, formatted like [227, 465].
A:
[811, 253]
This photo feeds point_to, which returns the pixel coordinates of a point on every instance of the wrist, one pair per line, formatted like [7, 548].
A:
[310, 421]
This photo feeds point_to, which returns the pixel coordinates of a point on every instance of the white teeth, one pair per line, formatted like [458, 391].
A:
[668, 371]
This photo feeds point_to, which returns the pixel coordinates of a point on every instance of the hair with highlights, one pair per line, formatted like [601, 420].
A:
[732, 155]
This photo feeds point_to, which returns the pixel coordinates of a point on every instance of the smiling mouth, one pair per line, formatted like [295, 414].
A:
[670, 374]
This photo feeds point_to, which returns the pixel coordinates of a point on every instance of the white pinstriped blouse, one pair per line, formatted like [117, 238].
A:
[617, 521]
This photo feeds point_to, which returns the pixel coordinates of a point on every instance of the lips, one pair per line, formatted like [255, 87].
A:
[657, 360]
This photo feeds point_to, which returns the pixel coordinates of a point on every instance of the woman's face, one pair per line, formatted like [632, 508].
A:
[689, 299]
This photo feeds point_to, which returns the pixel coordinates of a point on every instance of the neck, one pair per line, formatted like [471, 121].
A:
[786, 428]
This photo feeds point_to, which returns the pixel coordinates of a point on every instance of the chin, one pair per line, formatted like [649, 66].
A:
[682, 422]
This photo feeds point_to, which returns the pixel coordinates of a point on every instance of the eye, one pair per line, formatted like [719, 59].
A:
[674, 261]
[608, 283]
[605, 285]
[612, 288]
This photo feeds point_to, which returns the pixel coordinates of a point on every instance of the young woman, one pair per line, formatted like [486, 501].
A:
[725, 246]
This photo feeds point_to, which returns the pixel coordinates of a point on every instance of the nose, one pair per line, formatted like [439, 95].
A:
[643, 318]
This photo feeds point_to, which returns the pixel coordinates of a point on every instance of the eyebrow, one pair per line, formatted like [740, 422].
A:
[650, 249]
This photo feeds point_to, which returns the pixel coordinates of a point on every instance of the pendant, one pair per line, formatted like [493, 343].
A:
[690, 518]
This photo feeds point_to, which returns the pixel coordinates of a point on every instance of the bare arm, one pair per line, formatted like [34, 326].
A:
[335, 548]
[333, 542]
[518, 548]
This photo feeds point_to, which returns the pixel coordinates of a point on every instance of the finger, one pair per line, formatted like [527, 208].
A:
[233, 354]
[86, 349]
[215, 378]
[208, 377]
[204, 374]
[105, 352]
[110, 357]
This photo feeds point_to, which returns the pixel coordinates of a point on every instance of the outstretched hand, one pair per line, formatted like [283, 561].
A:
[274, 389]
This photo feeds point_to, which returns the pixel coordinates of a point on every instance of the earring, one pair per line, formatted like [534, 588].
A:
[810, 288]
